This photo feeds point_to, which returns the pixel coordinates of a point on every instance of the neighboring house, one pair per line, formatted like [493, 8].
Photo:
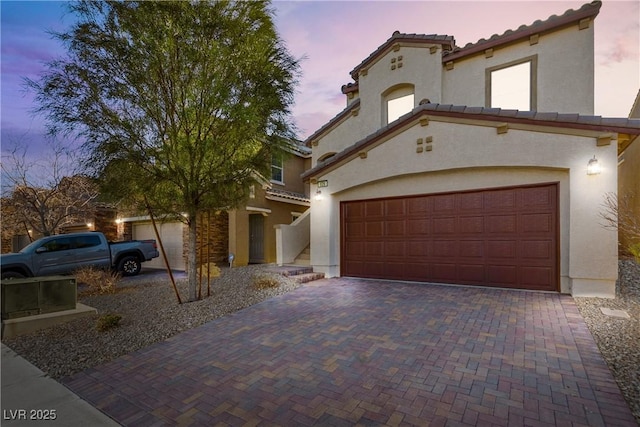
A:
[99, 217]
[629, 174]
[248, 232]
[434, 173]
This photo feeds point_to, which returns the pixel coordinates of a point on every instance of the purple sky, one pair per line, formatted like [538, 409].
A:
[335, 37]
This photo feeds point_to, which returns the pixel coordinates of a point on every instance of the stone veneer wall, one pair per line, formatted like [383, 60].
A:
[218, 238]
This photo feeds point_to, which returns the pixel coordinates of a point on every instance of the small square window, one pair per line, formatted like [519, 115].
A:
[512, 86]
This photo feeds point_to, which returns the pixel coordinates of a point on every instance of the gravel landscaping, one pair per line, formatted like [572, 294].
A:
[150, 313]
[618, 338]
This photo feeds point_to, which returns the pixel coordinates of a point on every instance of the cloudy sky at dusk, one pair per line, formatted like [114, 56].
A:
[335, 37]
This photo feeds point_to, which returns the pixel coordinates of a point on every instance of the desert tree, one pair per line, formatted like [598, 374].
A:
[618, 213]
[178, 104]
[41, 193]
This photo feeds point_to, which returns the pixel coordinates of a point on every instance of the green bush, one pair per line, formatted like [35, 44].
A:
[108, 321]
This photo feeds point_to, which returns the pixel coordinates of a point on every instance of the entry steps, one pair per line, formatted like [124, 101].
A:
[301, 274]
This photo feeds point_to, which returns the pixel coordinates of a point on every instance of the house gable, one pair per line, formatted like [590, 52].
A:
[442, 73]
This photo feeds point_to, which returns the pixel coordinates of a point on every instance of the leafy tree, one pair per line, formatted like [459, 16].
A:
[179, 104]
[39, 196]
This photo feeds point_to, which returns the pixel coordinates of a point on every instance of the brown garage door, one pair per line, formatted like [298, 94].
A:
[505, 237]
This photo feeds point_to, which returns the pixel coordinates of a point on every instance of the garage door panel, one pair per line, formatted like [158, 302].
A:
[502, 224]
[395, 207]
[416, 271]
[444, 203]
[471, 224]
[395, 249]
[444, 272]
[496, 237]
[536, 277]
[537, 197]
[374, 229]
[471, 273]
[471, 202]
[374, 249]
[418, 227]
[445, 248]
[395, 270]
[536, 223]
[356, 249]
[419, 206]
[502, 274]
[502, 249]
[374, 269]
[354, 212]
[472, 249]
[172, 241]
[418, 248]
[374, 209]
[500, 199]
[354, 230]
[394, 228]
[536, 249]
[446, 225]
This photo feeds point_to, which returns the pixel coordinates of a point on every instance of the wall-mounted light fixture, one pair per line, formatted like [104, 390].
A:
[318, 195]
[593, 168]
[89, 225]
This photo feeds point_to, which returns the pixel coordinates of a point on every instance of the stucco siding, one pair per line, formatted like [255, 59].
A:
[467, 157]
[559, 54]
[417, 66]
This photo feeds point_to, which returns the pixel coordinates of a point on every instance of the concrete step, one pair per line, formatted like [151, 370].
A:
[307, 277]
[299, 273]
[291, 270]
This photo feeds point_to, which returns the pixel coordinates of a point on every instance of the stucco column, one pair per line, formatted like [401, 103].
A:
[593, 252]
[325, 233]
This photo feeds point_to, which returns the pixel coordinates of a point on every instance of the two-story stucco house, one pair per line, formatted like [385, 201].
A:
[478, 165]
[246, 232]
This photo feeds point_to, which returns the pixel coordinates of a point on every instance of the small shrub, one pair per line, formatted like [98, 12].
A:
[98, 281]
[211, 268]
[265, 281]
[634, 249]
[108, 321]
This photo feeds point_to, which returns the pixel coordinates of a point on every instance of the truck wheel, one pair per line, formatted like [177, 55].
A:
[129, 265]
[12, 275]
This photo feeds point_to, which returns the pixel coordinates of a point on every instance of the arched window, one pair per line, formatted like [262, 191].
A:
[397, 101]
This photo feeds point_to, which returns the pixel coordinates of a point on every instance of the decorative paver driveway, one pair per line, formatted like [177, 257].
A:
[346, 351]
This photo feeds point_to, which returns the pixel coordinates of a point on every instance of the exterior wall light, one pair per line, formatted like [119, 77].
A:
[318, 195]
[593, 168]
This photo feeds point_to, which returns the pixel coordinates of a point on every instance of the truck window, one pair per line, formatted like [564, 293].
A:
[86, 241]
[60, 244]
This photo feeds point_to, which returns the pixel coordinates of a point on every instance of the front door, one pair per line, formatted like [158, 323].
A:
[256, 239]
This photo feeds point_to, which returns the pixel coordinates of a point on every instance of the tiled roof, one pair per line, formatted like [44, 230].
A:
[554, 22]
[559, 120]
[287, 195]
[341, 115]
[447, 42]
[350, 87]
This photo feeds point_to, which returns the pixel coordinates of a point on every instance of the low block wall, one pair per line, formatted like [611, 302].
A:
[37, 295]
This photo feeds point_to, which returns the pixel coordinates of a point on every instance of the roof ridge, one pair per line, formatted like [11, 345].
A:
[442, 39]
[554, 21]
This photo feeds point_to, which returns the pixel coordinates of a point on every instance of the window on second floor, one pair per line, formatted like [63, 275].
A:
[277, 169]
[512, 85]
[397, 102]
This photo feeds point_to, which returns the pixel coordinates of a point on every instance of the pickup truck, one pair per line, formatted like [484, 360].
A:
[65, 253]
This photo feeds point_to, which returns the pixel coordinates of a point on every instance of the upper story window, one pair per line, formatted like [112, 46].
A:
[397, 101]
[512, 85]
[277, 169]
